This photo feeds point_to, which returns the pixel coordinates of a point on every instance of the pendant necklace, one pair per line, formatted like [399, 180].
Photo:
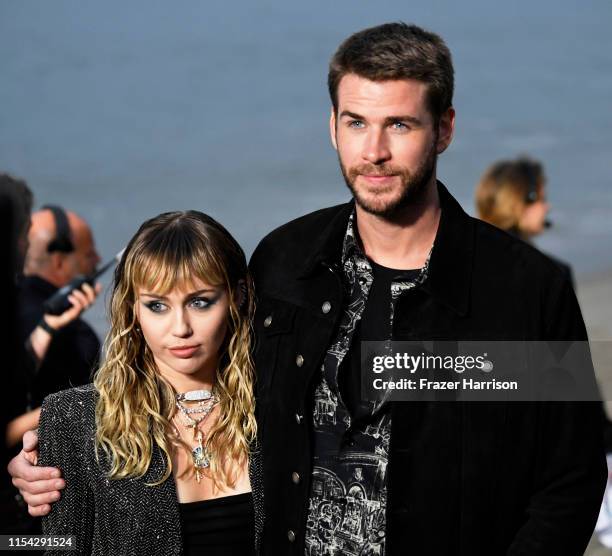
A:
[193, 418]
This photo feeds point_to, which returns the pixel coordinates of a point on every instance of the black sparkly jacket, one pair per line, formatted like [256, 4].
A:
[112, 517]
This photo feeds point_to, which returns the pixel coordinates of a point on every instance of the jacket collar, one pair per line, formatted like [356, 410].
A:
[450, 265]
[327, 247]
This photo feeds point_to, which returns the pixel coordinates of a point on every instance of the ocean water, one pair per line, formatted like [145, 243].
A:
[123, 110]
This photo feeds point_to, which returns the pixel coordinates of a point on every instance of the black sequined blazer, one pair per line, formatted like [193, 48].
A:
[112, 517]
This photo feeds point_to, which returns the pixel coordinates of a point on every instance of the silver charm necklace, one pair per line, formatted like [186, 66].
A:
[193, 418]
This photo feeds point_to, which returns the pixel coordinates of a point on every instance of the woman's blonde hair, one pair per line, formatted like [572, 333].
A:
[136, 404]
[506, 188]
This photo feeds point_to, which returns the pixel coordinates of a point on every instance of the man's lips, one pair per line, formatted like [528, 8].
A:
[184, 352]
[377, 179]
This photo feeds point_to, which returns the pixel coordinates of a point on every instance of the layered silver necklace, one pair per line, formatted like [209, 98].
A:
[194, 408]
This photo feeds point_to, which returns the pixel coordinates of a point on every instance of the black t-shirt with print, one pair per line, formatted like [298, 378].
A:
[375, 325]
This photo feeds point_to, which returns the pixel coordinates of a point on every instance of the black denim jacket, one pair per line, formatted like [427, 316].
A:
[463, 478]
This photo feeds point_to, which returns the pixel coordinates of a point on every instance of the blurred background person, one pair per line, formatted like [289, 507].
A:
[15, 206]
[511, 195]
[61, 247]
[22, 356]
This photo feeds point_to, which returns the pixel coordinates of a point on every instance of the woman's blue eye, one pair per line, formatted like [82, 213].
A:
[156, 306]
[200, 303]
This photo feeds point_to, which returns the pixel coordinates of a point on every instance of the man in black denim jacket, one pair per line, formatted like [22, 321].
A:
[453, 477]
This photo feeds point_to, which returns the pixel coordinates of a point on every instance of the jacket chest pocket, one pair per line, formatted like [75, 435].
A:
[274, 335]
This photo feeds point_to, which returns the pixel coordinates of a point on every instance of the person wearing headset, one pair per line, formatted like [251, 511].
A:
[23, 354]
[511, 195]
[61, 247]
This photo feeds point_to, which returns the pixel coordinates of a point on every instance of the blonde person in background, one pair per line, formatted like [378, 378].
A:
[511, 195]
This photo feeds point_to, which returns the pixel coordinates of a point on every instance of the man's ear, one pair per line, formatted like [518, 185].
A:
[58, 266]
[56, 261]
[446, 129]
[332, 128]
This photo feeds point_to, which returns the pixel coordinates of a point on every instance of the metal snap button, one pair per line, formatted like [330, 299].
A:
[268, 321]
[326, 307]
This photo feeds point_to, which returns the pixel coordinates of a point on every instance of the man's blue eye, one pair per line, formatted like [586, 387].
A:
[200, 303]
[400, 125]
[357, 124]
[156, 306]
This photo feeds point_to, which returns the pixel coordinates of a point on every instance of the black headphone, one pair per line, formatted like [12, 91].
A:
[531, 170]
[532, 191]
[62, 241]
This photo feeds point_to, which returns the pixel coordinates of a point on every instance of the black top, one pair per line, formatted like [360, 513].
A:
[375, 325]
[219, 526]
[73, 352]
[348, 490]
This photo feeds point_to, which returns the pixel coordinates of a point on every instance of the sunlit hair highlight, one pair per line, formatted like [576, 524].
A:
[135, 403]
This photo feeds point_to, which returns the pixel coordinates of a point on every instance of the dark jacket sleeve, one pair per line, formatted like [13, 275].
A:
[60, 446]
[570, 464]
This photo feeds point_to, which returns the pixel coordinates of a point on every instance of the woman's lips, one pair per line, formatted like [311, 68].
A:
[184, 352]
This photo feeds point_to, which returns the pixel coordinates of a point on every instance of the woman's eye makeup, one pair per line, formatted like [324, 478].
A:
[201, 302]
[156, 306]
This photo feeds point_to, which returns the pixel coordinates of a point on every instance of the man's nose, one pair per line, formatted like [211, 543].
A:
[376, 148]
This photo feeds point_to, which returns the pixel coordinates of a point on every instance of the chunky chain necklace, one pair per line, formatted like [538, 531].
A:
[192, 418]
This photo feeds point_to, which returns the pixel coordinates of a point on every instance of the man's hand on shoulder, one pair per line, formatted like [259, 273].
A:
[39, 486]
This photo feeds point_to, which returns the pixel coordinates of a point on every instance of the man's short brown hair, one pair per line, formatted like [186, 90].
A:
[396, 51]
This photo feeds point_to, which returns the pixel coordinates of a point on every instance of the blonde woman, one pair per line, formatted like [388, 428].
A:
[158, 453]
[512, 196]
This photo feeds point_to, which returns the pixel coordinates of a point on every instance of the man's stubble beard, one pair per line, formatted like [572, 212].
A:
[414, 184]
